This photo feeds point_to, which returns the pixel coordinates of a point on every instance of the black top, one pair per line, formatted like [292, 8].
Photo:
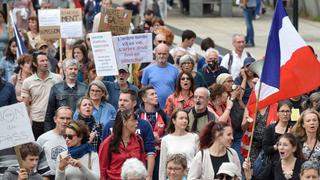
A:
[278, 173]
[217, 161]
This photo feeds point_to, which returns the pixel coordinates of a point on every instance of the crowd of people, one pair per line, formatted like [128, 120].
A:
[180, 116]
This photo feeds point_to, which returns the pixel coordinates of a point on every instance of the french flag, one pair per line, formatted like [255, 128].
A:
[21, 47]
[290, 69]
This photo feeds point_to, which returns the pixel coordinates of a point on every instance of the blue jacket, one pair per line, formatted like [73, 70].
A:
[144, 130]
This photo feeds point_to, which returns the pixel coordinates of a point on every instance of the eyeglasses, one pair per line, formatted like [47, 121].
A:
[185, 78]
[69, 136]
[285, 111]
[162, 41]
[224, 176]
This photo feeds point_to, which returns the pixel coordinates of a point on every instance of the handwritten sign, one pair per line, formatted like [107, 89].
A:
[15, 126]
[56, 23]
[133, 48]
[103, 53]
[71, 23]
[295, 114]
[49, 23]
[115, 20]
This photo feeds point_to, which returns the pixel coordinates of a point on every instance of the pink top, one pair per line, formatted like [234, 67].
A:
[174, 101]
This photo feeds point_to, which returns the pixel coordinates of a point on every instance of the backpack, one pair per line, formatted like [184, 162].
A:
[231, 60]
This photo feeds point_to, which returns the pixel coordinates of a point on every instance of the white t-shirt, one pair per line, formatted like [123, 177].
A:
[187, 145]
[237, 63]
[53, 144]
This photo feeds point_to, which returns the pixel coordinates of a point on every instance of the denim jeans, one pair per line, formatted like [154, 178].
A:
[248, 13]
[258, 7]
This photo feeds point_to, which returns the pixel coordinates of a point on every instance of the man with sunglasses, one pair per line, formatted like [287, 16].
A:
[53, 141]
[35, 91]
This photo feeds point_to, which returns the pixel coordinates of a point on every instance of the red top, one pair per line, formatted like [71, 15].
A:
[113, 171]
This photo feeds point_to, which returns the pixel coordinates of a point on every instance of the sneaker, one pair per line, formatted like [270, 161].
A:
[257, 17]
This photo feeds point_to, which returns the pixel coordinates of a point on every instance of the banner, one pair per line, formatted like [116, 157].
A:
[115, 20]
[64, 23]
[103, 54]
[133, 48]
[15, 126]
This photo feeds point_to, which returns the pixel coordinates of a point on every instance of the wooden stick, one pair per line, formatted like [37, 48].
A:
[60, 49]
[254, 119]
[18, 155]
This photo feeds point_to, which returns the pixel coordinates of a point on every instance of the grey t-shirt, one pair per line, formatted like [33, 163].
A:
[251, 3]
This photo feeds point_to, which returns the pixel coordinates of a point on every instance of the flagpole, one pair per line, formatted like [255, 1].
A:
[254, 119]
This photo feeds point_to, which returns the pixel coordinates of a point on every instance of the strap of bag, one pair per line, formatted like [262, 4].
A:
[89, 162]
[314, 146]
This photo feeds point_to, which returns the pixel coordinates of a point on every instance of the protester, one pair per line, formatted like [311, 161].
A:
[30, 156]
[307, 130]
[200, 115]
[24, 66]
[178, 136]
[186, 64]
[33, 31]
[65, 93]
[80, 161]
[122, 144]
[228, 170]
[205, 44]
[187, 40]
[8, 62]
[215, 140]
[133, 169]
[53, 141]
[312, 102]
[104, 4]
[310, 170]
[7, 93]
[176, 167]
[80, 53]
[35, 91]
[183, 96]
[103, 112]
[92, 73]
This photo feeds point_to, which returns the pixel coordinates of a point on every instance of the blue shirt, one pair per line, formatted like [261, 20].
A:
[7, 94]
[105, 113]
[114, 92]
[8, 67]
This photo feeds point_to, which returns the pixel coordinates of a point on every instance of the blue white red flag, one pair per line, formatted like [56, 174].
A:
[290, 68]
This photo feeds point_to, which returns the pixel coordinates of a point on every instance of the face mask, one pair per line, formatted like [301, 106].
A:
[212, 64]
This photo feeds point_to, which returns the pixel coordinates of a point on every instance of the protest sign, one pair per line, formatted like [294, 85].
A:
[71, 23]
[115, 20]
[133, 48]
[49, 23]
[103, 54]
[16, 126]
[64, 23]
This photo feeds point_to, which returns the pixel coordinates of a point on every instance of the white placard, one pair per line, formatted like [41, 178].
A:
[49, 17]
[103, 53]
[133, 48]
[15, 126]
[71, 29]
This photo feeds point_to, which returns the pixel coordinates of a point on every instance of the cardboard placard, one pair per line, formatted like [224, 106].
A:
[115, 20]
[133, 48]
[15, 126]
[103, 53]
[71, 23]
[49, 23]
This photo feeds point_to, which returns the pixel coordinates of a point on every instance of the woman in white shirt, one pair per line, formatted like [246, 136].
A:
[178, 141]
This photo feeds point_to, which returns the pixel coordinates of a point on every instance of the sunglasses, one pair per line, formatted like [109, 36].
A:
[224, 176]
[69, 136]
[185, 78]
[161, 41]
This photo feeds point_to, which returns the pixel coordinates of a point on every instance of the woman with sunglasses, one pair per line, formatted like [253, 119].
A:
[183, 96]
[80, 161]
[307, 130]
[178, 136]
[121, 145]
[215, 140]
[310, 170]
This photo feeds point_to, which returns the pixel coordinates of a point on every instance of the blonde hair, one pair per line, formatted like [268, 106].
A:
[299, 131]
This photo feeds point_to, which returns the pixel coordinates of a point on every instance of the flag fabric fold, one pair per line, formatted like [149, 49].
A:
[290, 68]
[21, 47]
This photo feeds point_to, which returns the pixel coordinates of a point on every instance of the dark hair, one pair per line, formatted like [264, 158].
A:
[188, 34]
[22, 60]
[143, 91]
[133, 94]
[116, 139]
[9, 55]
[207, 43]
[35, 59]
[4, 16]
[171, 128]
[84, 52]
[80, 42]
[148, 12]
[284, 102]
[31, 149]
[208, 134]
[216, 90]
[156, 19]
[81, 130]
[178, 85]
[294, 142]
[33, 18]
